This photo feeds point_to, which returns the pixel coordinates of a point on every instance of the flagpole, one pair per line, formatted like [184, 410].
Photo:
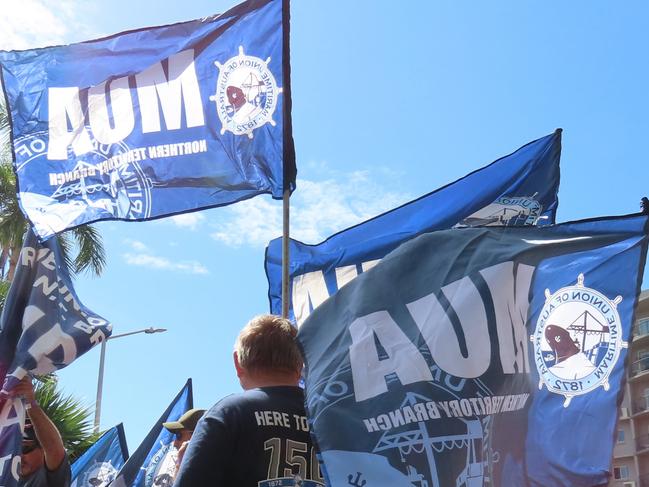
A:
[285, 251]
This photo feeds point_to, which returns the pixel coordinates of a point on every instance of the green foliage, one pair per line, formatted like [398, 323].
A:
[70, 416]
[4, 291]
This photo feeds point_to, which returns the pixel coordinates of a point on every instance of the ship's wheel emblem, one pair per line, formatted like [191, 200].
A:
[577, 341]
[246, 94]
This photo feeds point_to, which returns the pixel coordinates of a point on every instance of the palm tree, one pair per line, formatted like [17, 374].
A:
[90, 255]
[71, 417]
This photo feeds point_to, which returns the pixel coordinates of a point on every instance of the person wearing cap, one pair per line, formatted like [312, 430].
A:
[44, 462]
[261, 436]
[183, 430]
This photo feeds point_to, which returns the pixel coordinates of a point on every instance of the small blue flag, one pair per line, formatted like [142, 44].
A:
[478, 356]
[153, 122]
[99, 465]
[43, 328]
[518, 189]
[153, 460]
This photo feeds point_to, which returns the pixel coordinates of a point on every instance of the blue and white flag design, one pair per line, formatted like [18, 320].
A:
[99, 465]
[478, 356]
[43, 328]
[518, 189]
[153, 122]
[150, 465]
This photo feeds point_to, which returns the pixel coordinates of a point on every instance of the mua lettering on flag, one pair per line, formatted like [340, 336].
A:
[478, 355]
[154, 462]
[99, 465]
[153, 122]
[43, 327]
[518, 189]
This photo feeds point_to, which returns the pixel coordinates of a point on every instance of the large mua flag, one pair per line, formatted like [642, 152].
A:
[518, 189]
[43, 328]
[478, 356]
[99, 465]
[153, 122]
[153, 463]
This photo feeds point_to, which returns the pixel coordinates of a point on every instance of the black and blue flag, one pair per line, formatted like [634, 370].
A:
[43, 327]
[478, 356]
[154, 461]
[99, 465]
[518, 189]
[155, 121]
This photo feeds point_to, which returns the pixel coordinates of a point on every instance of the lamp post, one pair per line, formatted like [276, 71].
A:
[102, 358]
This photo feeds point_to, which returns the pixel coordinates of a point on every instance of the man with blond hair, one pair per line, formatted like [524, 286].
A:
[259, 437]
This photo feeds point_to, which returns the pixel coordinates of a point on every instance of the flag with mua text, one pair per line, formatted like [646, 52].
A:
[155, 121]
[475, 356]
[518, 189]
[153, 464]
[43, 327]
[99, 464]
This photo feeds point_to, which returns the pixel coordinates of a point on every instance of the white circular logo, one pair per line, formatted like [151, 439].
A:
[162, 468]
[577, 340]
[99, 475]
[246, 94]
[103, 181]
[506, 210]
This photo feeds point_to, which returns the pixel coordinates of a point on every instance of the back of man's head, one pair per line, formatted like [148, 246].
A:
[267, 345]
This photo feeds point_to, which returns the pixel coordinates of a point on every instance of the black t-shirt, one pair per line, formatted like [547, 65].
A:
[259, 438]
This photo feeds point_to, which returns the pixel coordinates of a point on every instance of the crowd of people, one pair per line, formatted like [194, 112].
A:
[254, 438]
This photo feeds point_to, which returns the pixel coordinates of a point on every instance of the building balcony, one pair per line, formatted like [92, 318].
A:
[642, 444]
[640, 407]
[639, 368]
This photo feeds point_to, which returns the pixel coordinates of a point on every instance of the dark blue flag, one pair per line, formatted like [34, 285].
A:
[518, 189]
[153, 122]
[478, 356]
[153, 463]
[43, 328]
[99, 465]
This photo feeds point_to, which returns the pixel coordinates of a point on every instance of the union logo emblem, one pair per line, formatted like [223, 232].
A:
[246, 94]
[577, 341]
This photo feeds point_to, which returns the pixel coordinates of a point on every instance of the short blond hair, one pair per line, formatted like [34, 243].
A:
[267, 343]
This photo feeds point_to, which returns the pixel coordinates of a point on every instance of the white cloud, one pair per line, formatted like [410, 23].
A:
[135, 244]
[26, 24]
[188, 220]
[318, 209]
[161, 263]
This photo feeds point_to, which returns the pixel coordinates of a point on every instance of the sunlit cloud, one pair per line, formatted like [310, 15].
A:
[318, 209]
[26, 24]
[161, 263]
[143, 256]
[188, 220]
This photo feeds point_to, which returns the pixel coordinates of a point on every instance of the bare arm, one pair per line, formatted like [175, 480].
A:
[47, 434]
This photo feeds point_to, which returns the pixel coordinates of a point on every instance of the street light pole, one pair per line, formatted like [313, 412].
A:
[102, 359]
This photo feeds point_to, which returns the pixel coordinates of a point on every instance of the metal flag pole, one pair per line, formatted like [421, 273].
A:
[102, 360]
[285, 252]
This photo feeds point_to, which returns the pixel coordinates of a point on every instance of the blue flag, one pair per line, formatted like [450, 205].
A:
[518, 189]
[43, 328]
[99, 465]
[153, 122]
[150, 465]
[478, 356]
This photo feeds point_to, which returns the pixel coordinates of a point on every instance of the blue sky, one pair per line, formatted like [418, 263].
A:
[390, 100]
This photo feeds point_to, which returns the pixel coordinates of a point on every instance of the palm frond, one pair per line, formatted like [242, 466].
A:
[4, 291]
[71, 417]
[92, 255]
[65, 245]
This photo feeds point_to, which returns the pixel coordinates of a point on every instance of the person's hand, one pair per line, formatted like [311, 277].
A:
[24, 389]
[181, 453]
